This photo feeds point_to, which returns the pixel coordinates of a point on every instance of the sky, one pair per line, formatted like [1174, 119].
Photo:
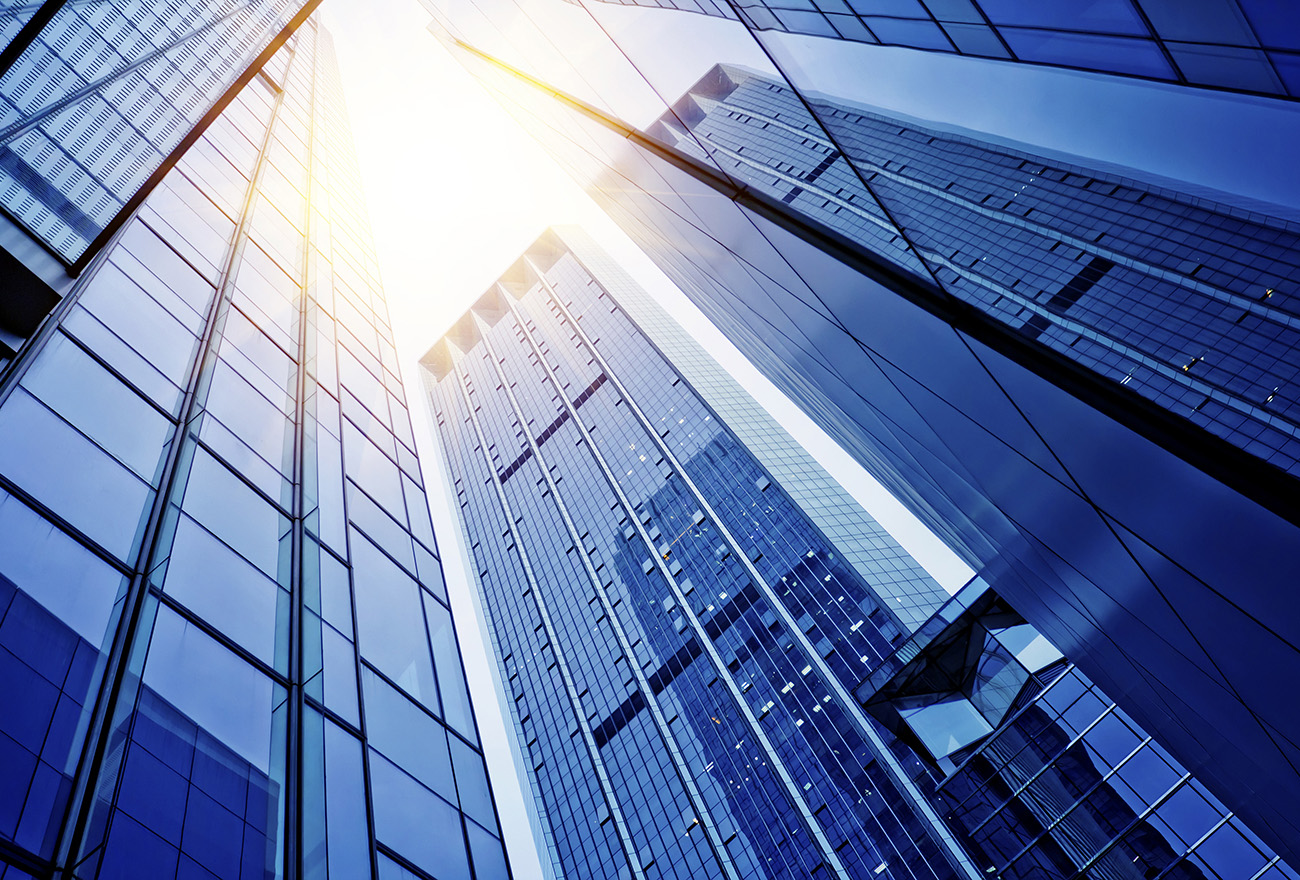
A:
[456, 190]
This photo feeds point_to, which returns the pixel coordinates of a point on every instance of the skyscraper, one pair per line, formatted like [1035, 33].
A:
[1075, 370]
[701, 687]
[675, 632]
[894, 575]
[1235, 45]
[99, 100]
[225, 645]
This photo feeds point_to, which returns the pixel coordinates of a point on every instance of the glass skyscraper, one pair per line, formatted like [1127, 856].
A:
[675, 633]
[894, 576]
[1076, 368]
[225, 645]
[701, 686]
[1237, 45]
[97, 101]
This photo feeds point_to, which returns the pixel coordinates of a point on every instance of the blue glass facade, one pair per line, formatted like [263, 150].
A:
[225, 648]
[1236, 45]
[1174, 296]
[678, 638]
[702, 686]
[1044, 775]
[1036, 387]
[102, 93]
[899, 581]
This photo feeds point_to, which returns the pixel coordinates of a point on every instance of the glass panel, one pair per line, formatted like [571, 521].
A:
[472, 784]
[75, 386]
[349, 840]
[416, 822]
[72, 476]
[202, 777]
[390, 623]
[224, 589]
[234, 512]
[408, 736]
[489, 855]
[1089, 51]
[56, 611]
[451, 672]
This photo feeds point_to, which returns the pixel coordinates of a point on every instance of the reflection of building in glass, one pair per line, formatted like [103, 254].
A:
[1080, 377]
[904, 587]
[1236, 45]
[677, 636]
[1167, 294]
[1045, 776]
[214, 544]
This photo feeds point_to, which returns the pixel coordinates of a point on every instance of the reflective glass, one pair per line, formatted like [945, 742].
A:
[390, 622]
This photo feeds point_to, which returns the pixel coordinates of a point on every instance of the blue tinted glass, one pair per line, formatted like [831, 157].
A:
[48, 458]
[489, 856]
[226, 590]
[234, 513]
[1089, 51]
[71, 383]
[1112, 16]
[407, 736]
[451, 672]
[416, 822]
[349, 842]
[390, 622]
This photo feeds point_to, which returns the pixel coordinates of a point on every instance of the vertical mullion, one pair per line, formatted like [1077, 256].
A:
[127, 637]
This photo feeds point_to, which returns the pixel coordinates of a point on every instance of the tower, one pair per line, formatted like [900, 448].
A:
[225, 638]
[697, 679]
[1070, 364]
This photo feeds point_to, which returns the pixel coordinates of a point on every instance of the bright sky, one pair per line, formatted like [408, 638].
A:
[457, 190]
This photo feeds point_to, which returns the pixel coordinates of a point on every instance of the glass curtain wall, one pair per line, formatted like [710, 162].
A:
[224, 634]
[1040, 306]
[679, 639]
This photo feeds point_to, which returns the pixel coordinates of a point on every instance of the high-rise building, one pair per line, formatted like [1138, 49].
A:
[1068, 347]
[1236, 45]
[699, 684]
[902, 584]
[97, 101]
[676, 634]
[225, 644]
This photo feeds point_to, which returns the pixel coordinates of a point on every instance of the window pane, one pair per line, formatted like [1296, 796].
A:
[451, 674]
[408, 736]
[417, 823]
[75, 386]
[390, 624]
[77, 480]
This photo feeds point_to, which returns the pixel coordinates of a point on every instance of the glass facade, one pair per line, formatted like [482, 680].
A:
[894, 575]
[1074, 367]
[103, 93]
[225, 648]
[1165, 293]
[678, 638]
[1238, 45]
[1044, 775]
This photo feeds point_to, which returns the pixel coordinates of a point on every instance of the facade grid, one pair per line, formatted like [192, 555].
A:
[900, 582]
[225, 645]
[702, 686]
[1078, 375]
[675, 631]
[1234, 45]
